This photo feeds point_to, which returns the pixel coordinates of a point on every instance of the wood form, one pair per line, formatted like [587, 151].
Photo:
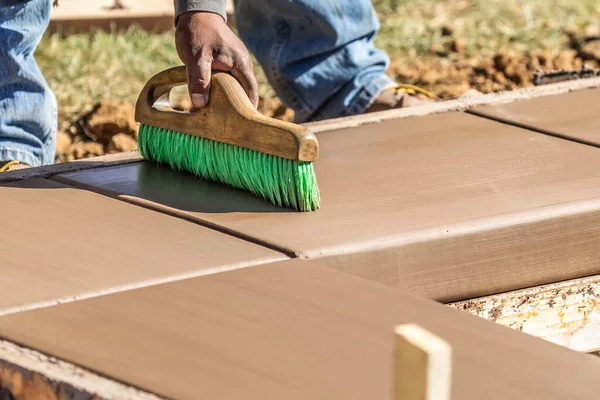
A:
[422, 365]
[88, 15]
[74, 16]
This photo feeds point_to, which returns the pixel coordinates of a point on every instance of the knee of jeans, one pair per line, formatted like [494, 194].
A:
[23, 24]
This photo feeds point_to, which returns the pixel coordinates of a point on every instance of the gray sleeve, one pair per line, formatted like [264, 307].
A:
[213, 6]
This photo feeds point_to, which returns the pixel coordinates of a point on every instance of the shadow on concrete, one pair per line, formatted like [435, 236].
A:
[183, 191]
[149, 185]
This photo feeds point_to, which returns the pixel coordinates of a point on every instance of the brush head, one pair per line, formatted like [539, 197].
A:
[283, 182]
[229, 141]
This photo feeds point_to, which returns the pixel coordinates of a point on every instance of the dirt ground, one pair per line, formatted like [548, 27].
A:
[110, 126]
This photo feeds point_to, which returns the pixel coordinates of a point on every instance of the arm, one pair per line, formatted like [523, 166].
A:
[204, 42]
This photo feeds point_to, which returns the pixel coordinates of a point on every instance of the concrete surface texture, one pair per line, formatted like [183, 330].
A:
[125, 280]
[449, 206]
[58, 244]
[292, 330]
[572, 116]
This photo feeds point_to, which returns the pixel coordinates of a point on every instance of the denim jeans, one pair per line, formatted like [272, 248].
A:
[318, 55]
[27, 106]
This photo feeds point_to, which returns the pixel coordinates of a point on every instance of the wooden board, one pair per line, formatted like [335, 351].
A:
[290, 330]
[57, 243]
[82, 16]
[86, 15]
[573, 116]
[450, 206]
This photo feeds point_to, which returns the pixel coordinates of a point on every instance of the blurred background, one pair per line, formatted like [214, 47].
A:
[98, 54]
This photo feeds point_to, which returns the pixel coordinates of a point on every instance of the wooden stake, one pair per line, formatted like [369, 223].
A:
[422, 365]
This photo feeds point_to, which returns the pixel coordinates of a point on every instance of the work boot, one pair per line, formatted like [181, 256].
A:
[401, 96]
[7, 166]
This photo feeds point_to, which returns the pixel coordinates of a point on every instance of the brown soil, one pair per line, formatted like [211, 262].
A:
[110, 126]
[501, 72]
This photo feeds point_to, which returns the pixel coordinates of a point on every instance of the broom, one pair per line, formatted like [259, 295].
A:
[228, 141]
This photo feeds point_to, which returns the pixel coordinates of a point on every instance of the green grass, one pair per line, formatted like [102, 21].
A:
[84, 69]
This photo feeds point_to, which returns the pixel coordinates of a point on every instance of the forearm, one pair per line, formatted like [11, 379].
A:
[212, 6]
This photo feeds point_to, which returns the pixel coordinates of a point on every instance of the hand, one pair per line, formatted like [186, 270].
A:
[204, 42]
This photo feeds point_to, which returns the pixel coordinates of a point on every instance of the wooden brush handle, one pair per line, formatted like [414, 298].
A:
[229, 117]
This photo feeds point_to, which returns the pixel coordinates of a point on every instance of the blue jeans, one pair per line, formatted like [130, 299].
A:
[318, 55]
[27, 106]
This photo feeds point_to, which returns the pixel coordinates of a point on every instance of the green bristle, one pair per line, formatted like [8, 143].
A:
[281, 181]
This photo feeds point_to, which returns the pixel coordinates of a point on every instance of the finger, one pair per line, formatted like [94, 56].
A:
[199, 74]
[243, 70]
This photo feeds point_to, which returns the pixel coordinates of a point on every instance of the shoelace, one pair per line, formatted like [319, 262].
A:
[7, 166]
[411, 89]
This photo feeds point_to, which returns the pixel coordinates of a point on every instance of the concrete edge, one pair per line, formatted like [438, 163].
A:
[142, 284]
[26, 366]
[47, 171]
[461, 104]
[173, 212]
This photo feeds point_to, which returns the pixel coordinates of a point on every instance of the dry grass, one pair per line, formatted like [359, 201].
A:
[85, 69]
[411, 27]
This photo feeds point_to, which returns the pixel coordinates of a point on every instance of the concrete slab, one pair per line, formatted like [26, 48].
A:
[461, 104]
[59, 244]
[449, 206]
[572, 116]
[291, 330]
